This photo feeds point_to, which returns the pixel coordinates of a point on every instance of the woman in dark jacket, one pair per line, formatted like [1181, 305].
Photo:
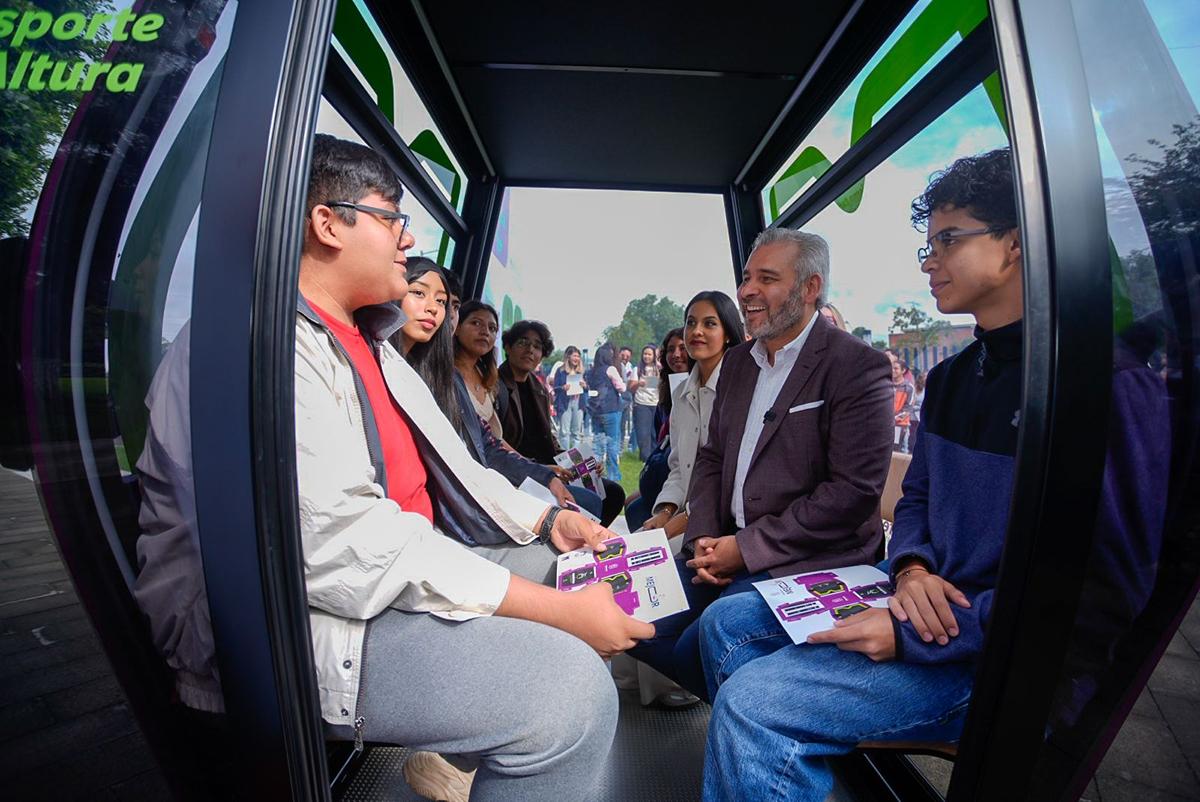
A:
[524, 404]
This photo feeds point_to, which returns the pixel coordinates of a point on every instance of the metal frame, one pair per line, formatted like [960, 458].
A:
[744, 217]
[865, 27]
[482, 210]
[242, 425]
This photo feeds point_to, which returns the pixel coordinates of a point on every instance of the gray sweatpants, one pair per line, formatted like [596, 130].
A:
[534, 706]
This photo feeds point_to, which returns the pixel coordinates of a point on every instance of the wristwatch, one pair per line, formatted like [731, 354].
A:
[547, 526]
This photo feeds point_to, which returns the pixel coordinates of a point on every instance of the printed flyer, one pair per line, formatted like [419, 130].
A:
[584, 468]
[814, 602]
[639, 568]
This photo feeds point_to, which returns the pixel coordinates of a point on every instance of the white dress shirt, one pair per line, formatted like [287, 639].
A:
[771, 379]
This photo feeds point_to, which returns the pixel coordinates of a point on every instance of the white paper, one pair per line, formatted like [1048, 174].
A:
[640, 569]
[581, 462]
[542, 493]
[814, 601]
[574, 384]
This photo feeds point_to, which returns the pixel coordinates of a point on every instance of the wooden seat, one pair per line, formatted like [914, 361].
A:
[893, 488]
[941, 749]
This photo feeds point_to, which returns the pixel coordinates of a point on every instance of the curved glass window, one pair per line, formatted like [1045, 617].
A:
[1143, 74]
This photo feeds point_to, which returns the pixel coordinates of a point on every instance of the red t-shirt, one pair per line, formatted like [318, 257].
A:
[406, 476]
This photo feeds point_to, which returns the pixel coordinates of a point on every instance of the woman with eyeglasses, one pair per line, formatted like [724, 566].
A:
[524, 405]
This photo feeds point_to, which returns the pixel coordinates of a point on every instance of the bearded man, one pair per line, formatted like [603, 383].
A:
[799, 446]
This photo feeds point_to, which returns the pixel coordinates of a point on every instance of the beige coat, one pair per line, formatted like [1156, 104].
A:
[691, 408]
[362, 553]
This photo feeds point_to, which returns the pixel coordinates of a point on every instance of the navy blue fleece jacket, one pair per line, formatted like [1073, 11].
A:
[954, 512]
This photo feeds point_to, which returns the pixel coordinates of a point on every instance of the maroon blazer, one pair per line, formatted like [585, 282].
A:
[812, 491]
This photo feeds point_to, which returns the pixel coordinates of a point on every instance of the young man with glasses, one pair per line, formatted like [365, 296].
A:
[779, 704]
[453, 637]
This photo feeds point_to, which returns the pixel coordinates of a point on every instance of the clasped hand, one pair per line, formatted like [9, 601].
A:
[924, 600]
[716, 560]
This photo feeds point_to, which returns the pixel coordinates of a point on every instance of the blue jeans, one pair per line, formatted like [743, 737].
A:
[627, 430]
[570, 423]
[587, 500]
[636, 513]
[607, 444]
[781, 709]
[675, 648]
[643, 427]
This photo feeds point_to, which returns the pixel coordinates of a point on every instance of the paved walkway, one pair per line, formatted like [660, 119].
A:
[66, 731]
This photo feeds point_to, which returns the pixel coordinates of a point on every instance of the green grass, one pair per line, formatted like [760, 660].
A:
[631, 469]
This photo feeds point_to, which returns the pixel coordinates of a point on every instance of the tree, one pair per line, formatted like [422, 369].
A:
[646, 320]
[31, 123]
[548, 361]
[916, 322]
[861, 331]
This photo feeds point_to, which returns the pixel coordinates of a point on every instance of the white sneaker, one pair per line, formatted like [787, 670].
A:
[430, 775]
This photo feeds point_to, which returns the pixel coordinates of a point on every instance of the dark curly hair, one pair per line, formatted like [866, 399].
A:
[523, 327]
[983, 185]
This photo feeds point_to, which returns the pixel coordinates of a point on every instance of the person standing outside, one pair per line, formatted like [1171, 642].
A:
[629, 375]
[902, 400]
[645, 402]
[605, 386]
[569, 393]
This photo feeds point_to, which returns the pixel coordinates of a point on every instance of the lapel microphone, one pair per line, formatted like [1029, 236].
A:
[768, 416]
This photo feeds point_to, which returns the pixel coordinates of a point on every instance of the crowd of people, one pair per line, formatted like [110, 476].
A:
[767, 433]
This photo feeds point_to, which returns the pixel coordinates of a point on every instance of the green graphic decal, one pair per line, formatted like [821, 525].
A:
[33, 71]
[929, 32]
[353, 33]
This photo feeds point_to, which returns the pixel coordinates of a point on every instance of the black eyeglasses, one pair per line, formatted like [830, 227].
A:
[525, 342]
[387, 215]
[944, 239]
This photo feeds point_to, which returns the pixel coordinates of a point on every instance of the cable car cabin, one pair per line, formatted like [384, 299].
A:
[154, 222]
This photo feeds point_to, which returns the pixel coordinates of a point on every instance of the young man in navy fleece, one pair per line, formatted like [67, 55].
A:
[904, 673]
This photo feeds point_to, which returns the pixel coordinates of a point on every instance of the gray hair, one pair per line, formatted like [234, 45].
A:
[812, 255]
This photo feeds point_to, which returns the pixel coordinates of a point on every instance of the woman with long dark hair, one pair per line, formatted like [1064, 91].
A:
[712, 326]
[645, 401]
[475, 359]
[605, 385]
[423, 340]
[672, 359]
